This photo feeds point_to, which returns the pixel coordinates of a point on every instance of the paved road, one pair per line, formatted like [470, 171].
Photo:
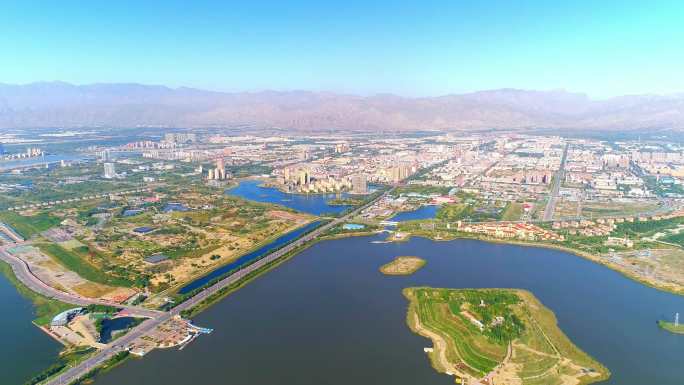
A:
[553, 194]
[23, 273]
[78, 371]
[103, 355]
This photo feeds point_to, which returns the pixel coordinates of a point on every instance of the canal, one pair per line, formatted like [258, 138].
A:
[249, 257]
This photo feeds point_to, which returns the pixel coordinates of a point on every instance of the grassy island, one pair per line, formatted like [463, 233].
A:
[503, 336]
[344, 202]
[405, 265]
[671, 327]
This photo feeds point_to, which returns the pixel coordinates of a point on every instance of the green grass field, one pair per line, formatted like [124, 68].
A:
[540, 352]
[77, 263]
[29, 226]
[512, 212]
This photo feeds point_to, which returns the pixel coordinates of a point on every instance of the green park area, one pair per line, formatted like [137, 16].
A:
[512, 212]
[52, 184]
[155, 238]
[469, 208]
[28, 226]
[502, 335]
[77, 260]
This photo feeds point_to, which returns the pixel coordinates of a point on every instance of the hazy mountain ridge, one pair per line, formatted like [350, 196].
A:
[55, 104]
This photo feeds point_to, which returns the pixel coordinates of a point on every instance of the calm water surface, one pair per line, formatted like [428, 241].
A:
[24, 349]
[111, 326]
[423, 212]
[315, 204]
[329, 317]
[249, 257]
[10, 164]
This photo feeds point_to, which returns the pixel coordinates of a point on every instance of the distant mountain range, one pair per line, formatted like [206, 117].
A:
[57, 104]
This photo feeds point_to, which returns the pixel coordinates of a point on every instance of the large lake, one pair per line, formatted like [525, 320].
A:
[25, 350]
[329, 317]
[315, 204]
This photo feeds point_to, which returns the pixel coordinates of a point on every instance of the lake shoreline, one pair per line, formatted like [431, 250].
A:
[446, 358]
[672, 289]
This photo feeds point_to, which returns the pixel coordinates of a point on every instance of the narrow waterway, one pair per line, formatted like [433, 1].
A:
[249, 257]
[329, 317]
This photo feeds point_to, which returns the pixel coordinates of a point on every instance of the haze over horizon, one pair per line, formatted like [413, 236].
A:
[326, 91]
[59, 104]
[604, 49]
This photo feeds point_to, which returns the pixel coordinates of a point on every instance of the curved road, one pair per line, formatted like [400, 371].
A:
[23, 273]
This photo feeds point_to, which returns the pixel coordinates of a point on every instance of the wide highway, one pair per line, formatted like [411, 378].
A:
[555, 189]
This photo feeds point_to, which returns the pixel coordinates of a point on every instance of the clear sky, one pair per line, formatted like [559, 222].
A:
[413, 48]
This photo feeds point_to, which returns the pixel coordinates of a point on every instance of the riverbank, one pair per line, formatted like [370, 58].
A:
[666, 287]
[221, 294]
[268, 183]
[316, 204]
[337, 284]
[209, 269]
[44, 308]
[265, 269]
[344, 202]
[108, 365]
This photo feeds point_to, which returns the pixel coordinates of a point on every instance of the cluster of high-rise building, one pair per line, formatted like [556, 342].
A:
[31, 152]
[146, 144]
[359, 184]
[399, 173]
[301, 180]
[180, 137]
[218, 172]
[341, 148]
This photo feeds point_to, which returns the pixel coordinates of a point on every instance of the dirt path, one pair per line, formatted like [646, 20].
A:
[439, 357]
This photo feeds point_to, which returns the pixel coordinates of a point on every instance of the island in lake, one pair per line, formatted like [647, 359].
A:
[405, 265]
[500, 336]
[672, 327]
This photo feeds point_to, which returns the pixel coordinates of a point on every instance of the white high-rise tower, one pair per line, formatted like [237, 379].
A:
[109, 171]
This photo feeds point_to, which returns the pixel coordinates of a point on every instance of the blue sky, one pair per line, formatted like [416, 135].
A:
[415, 48]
